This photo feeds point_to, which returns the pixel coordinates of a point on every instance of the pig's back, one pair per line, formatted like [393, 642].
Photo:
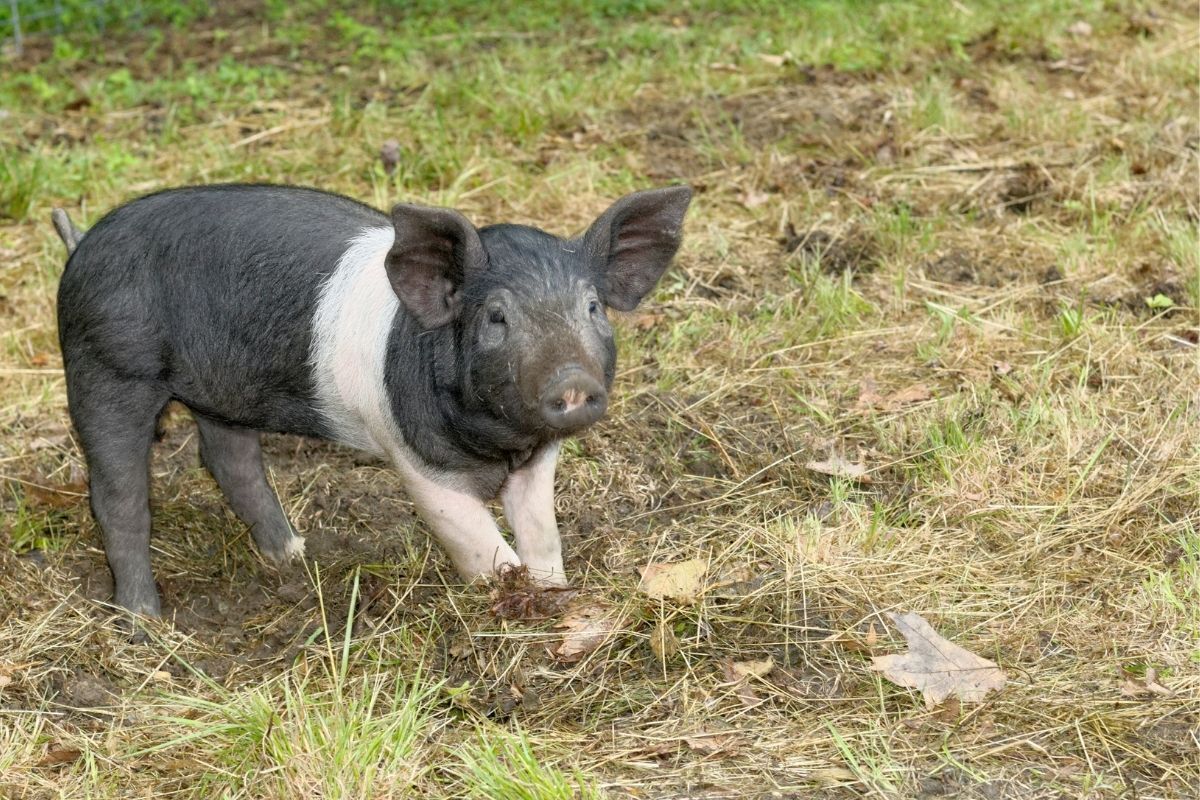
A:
[211, 291]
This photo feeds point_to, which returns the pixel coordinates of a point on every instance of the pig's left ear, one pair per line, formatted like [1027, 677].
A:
[632, 243]
[435, 250]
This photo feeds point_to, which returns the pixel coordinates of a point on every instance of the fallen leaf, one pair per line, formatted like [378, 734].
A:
[752, 198]
[752, 669]
[52, 442]
[663, 642]
[646, 320]
[839, 467]
[773, 60]
[1002, 368]
[832, 776]
[1148, 686]
[937, 667]
[709, 743]
[61, 496]
[1079, 28]
[586, 626]
[57, 754]
[742, 687]
[723, 66]
[869, 398]
[678, 581]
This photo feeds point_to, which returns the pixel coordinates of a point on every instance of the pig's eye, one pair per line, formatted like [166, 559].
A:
[594, 307]
[496, 317]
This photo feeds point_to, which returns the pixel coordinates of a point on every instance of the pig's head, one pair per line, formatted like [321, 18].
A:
[527, 309]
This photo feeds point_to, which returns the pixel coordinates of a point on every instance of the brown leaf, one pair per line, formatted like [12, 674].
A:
[680, 581]
[646, 320]
[706, 743]
[869, 398]
[839, 467]
[663, 642]
[585, 627]
[937, 667]
[56, 441]
[752, 198]
[61, 496]
[1148, 686]
[741, 685]
[832, 776]
[773, 60]
[56, 754]
[752, 669]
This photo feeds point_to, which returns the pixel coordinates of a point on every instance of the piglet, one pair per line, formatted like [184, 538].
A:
[461, 355]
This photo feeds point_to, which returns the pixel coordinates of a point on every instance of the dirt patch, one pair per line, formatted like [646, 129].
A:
[854, 252]
[961, 267]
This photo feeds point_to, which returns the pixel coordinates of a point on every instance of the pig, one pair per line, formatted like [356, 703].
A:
[461, 355]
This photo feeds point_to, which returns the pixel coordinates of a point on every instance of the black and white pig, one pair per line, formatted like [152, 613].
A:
[462, 355]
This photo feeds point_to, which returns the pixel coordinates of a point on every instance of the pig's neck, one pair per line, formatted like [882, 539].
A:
[422, 378]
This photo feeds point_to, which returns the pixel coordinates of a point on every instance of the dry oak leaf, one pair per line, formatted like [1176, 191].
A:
[839, 467]
[1147, 687]
[707, 742]
[663, 642]
[937, 667]
[57, 755]
[680, 581]
[752, 669]
[585, 627]
[869, 398]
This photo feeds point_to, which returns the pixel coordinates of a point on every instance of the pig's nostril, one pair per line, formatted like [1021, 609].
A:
[591, 399]
[560, 405]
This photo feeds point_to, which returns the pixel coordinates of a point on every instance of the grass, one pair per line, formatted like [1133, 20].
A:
[984, 199]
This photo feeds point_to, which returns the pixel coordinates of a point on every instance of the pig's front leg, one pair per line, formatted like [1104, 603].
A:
[461, 523]
[528, 498]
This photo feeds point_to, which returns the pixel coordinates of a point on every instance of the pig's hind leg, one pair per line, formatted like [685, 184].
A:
[234, 458]
[116, 419]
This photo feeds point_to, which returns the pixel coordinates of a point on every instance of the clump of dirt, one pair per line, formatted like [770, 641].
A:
[1023, 190]
[854, 252]
[517, 596]
[960, 267]
[84, 691]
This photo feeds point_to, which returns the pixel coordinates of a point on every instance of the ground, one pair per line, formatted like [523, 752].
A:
[946, 252]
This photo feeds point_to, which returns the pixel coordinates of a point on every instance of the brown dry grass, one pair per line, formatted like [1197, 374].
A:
[989, 227]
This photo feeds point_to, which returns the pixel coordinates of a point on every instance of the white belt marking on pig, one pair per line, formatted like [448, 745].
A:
[351, 327]
[350, 334]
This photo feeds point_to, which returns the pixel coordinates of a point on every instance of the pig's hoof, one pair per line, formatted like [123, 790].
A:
[134, 624]
[290, 551]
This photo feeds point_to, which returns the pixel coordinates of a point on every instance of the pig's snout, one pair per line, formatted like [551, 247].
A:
[573, 399]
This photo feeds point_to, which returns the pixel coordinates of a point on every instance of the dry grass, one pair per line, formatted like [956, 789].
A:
[1005, 215]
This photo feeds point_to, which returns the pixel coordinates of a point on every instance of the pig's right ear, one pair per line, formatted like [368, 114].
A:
[434, 251]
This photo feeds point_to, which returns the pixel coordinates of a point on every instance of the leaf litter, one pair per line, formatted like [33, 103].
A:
[937, 667]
